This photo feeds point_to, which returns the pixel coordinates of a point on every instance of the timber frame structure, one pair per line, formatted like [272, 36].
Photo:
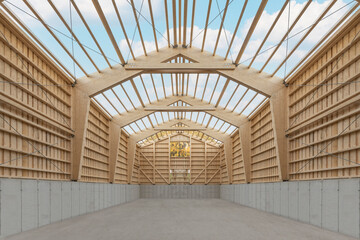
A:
[303, 126]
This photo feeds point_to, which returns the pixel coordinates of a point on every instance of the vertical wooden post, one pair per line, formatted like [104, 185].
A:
[279, 116]
[245, 139]
[205, 162]
[228, 157]
[114, 139]
[169, 163]
[190, 162]
[154, 163]
[131, 157]
[80, 113]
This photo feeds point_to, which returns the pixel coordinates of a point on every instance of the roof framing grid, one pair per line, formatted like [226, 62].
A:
[54, 36]
[89, 31]
[305, 35]
[286, 34]
[72, 33]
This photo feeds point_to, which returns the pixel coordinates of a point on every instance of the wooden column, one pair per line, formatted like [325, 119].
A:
[131, 157]
[228, 157]
[245, 139]
[80, 113]
[114, 139]
[279, 114]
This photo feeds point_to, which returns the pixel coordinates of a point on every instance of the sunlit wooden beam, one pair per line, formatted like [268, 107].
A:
[108, 30]
[123, 28]
[251, 30]
[206, 25]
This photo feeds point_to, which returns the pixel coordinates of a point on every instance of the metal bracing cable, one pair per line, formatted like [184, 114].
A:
[30, 143]
[327, 145]
[26, 155]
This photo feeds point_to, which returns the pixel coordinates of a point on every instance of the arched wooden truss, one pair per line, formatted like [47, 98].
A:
[179, 107]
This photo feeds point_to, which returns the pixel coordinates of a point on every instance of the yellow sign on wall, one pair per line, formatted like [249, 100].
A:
[179, 149]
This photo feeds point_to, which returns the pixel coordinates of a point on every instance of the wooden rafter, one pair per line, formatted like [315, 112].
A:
[108, 30]
[251, 30]
[153, 25]
[206, 25]
[123, 28]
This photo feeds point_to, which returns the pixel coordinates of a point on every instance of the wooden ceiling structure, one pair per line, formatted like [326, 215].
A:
[178, 106]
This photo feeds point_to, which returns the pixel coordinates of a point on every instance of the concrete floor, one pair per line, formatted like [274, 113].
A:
[161, 219]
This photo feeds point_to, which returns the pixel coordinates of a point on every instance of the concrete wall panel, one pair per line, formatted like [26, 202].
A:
[10, 207]
[315, 202]
[83, 197]
[294, 200]
[44, 202]
[65, 200]
[29, 205]
[349, 207]
[55, 201]
[284, 199]
[304, 201]
[330, 205]
[75, 199]
[277, 198]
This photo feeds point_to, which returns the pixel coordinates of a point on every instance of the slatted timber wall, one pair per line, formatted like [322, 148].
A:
[324, 130]
[135, 175]
[264, 166]
[121, 167]
[224, 175]
[238, 171]
[156, 163]
[35, 102]
[95, 167]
